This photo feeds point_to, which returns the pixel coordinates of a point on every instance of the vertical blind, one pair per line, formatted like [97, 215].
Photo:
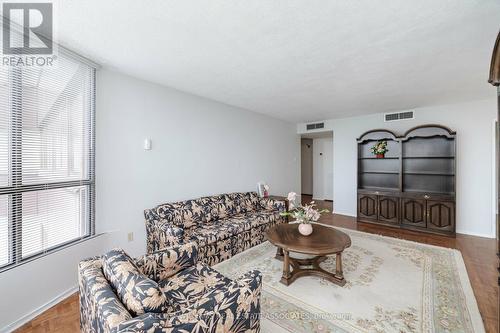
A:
[46, 157]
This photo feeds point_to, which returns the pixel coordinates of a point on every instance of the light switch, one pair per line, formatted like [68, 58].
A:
[147, 144]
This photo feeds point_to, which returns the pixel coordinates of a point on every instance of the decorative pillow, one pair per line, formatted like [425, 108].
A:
[137, 292]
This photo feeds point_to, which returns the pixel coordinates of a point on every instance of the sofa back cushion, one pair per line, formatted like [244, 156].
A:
[227, 205]
[243, 202]
[190, 213]
[137, 292]
[166, 263]
[185, 214]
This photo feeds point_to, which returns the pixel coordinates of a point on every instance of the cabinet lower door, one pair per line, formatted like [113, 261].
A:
[367, 206]
[413, 212]
[388, 209]
[441, 215]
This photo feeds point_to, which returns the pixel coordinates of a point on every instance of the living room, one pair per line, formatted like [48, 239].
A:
[151, 166]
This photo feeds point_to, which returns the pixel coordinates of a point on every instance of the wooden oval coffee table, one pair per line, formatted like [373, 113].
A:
[322, 242]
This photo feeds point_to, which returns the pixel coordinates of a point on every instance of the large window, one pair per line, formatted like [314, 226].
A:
[46, 157]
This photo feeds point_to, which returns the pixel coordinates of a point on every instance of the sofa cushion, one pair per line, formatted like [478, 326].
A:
[224, 207]
[240, 222]
[163, 264]
[137, 292]
[211, 207]
[191, 213]
[271, 204]
[187, 286]
[244, 202]
[216, 252]
[264, 217]
[184, 214]
[212, 232]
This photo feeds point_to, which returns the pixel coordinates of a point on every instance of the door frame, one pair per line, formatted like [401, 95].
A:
[326, 133]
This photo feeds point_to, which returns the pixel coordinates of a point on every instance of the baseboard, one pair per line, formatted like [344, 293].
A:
[476, 234]
[319, 199]
[344, 213]
[26, 318]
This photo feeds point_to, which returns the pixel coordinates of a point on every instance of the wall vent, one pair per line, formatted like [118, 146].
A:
[398, 116]
[310, 127]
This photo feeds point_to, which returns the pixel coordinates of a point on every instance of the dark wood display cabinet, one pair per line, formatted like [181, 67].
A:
[413, 186]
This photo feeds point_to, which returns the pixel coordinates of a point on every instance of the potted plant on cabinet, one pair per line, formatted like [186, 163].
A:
[380, 149]
[303, 214]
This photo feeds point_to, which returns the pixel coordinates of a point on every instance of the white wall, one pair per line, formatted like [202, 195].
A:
[323, 168]
[475, 157]
[200, 147]
[306, 166]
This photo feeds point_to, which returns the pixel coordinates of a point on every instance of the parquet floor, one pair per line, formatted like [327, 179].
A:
[478, 253]
[63, 317]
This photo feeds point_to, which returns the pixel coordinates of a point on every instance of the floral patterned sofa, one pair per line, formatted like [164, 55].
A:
[222, 225]
[195, 297]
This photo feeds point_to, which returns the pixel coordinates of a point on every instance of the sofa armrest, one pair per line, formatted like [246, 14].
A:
[160, 234]
[273, 204]
[234, 307]
[167, 262]
[100, 308]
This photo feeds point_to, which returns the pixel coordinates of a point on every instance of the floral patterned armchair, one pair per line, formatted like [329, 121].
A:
[199, 298]
[222, 225]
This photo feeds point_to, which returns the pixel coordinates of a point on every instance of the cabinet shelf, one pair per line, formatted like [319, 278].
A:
[381, 189]
[428, 173]
[376, 158]
[447, 194]
[428, 157]
[380, 172]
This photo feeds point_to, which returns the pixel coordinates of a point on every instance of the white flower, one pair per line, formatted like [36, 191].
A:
[316, 216]
[266, 187]
[292, 196]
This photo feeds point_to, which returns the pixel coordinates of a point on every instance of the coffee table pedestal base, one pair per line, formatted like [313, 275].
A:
[298, 269]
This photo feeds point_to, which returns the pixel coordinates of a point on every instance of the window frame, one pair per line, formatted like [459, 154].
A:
[16, 188]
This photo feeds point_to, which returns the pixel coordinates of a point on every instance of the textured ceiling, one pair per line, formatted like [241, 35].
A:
[295, 60]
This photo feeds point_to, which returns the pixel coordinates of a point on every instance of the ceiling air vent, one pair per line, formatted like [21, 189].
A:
[398, 116]
[315, 126]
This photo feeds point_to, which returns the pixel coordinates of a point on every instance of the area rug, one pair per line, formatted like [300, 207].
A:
[392, 285]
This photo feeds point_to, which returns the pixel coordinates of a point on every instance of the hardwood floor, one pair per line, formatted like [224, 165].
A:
[478, 253]
[63, 317]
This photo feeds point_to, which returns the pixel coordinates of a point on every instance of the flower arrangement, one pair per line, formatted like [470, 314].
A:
[303, 213]
[379, 149]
